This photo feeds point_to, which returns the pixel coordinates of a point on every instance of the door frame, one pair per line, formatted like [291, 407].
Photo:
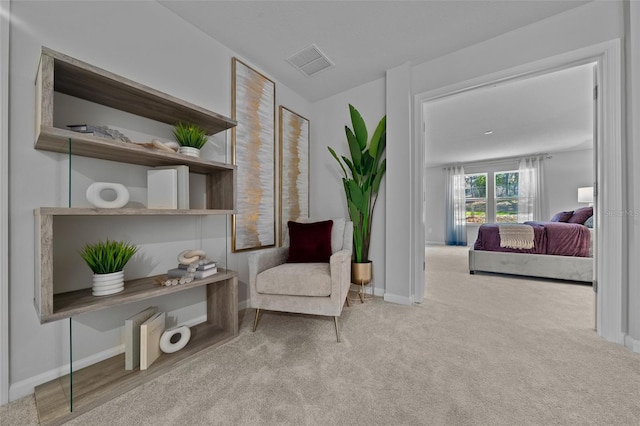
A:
[5, 19]
[611, 260]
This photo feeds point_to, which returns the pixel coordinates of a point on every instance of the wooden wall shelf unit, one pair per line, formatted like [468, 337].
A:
[105, 380]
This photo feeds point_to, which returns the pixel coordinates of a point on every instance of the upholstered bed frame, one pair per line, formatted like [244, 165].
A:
[534, 265]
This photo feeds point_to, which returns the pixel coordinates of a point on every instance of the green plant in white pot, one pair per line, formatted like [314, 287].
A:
[107, 260]
[190, 137]
[363, 172]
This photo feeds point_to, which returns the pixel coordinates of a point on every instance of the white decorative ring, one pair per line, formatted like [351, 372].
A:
[94, 195]
[187, 257]
[165, 341]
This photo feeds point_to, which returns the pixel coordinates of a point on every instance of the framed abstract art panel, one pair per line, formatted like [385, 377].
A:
[253, 151]
[294, 168]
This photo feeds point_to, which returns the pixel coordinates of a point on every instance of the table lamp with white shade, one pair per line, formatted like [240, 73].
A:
[585, 195]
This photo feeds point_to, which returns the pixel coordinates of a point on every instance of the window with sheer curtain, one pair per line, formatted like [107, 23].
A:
[456, 222]
[509, 196]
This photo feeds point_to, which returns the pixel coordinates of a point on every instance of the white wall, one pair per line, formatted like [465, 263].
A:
[565, 172]
[633, 162]
[4, 205]
[434, 211]
[329, 117]
[144, 42]
[398, 236]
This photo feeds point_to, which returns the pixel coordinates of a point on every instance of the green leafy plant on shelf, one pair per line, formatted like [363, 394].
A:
[190, 135]
[105, 257]
[362, 182]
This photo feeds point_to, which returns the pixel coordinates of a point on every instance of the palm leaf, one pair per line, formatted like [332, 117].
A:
[375, 139]
[337, 159]
[354, 148]
[359, 128]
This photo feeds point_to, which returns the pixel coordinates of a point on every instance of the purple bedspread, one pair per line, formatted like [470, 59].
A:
[556, 238]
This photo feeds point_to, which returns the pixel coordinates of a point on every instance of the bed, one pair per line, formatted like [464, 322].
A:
[561, 249]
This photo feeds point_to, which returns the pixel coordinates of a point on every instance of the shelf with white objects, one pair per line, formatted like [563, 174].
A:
[59, 73]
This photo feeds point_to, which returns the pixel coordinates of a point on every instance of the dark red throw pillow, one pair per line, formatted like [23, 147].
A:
[562, 216]
[309, 242]
[581, 215]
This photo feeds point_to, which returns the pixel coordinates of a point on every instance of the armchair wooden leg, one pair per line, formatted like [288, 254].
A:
[348, 303]
[335, 320]
[255, 321]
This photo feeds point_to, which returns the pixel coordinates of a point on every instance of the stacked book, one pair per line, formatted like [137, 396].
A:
[202, 271]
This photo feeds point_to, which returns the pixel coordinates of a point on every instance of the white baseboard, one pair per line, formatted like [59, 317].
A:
[400, 300]
[244, 304]
[26, 387]
[632, 343]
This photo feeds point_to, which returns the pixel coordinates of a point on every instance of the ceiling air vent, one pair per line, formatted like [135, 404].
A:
[310, 60]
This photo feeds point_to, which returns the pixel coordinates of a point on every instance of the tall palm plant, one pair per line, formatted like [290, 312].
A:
[366, 167]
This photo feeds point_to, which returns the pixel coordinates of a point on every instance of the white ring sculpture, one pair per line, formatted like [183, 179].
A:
[187, 257]
[94, 195]
[165, 341]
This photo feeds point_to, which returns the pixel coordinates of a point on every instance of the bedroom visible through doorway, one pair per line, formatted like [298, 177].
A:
[490, 132]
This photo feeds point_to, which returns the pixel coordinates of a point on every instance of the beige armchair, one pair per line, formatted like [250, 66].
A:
[306, 288]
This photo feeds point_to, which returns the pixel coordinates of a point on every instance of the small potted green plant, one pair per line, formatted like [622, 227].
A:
[107, 260]
[190, 137]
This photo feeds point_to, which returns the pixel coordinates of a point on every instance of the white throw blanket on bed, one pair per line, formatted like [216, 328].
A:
[515, 235]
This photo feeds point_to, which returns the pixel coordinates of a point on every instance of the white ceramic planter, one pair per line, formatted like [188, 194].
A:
[105, 284]
[190, 151]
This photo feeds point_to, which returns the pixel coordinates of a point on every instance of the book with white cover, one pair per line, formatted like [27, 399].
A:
[204, 267]
[162, 189]
[183, 184]
[132, 337]
[150, 333]
[198, 275]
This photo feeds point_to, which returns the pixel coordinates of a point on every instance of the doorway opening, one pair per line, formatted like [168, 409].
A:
[610, 256]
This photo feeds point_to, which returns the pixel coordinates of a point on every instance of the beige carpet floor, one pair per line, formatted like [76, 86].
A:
[480, 350]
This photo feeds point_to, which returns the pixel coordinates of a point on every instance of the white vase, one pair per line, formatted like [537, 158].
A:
[105, 284]
[190, 151]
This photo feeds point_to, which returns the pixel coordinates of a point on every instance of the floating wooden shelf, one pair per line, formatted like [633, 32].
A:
[77, 302]
[57, 140]
[64, 74]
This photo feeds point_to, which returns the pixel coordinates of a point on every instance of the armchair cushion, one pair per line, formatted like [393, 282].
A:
[309, 242]
[296, 279]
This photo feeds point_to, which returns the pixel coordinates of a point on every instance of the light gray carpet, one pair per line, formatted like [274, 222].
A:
[480, 350]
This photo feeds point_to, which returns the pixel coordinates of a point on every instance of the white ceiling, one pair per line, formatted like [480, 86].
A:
[362, 38]
[544, 114]
[366, 38]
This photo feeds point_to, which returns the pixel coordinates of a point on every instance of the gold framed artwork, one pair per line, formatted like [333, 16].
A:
[253, 151]
[294, 168]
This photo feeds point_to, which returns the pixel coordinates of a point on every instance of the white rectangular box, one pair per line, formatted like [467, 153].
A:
[183, 184]
[162, 189]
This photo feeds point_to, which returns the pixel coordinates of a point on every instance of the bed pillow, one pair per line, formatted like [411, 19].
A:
[309, 242]
[562, 216]
[581, 215]
[589, 222]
